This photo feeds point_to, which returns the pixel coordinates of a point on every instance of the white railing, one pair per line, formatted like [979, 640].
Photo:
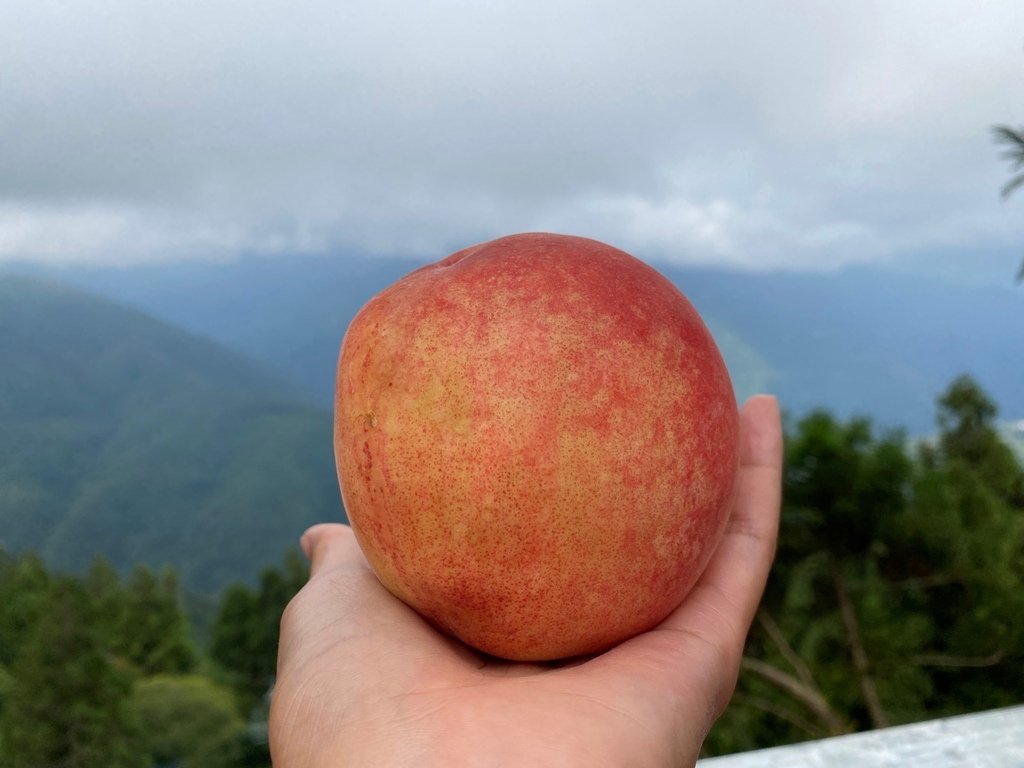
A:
[992, 739]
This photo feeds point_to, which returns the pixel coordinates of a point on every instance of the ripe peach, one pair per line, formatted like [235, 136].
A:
[536, 440]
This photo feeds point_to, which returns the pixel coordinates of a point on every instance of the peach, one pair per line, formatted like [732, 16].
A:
[536, 440]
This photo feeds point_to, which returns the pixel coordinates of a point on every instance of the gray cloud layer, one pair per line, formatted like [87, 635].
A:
[792, 133]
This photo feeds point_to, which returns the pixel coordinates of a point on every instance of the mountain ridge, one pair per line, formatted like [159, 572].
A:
[128, 437]
[862, 341]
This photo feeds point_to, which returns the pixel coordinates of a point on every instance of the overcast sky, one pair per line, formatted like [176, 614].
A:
[798, 134]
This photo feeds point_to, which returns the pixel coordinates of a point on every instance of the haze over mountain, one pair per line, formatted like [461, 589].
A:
[127, 437]
[859, 341]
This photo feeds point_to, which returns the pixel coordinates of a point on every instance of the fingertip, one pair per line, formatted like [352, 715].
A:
[762, 406]
[327, 543]
[305, 542]
[761, 422]
[312, 535]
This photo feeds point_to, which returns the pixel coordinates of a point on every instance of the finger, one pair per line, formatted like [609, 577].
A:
[339, 584]
[345, 603]
[330, 545]
[349, 586]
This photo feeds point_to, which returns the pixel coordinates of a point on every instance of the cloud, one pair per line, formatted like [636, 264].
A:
[791, 134]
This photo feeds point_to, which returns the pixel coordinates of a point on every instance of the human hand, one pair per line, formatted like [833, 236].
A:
[363, 680]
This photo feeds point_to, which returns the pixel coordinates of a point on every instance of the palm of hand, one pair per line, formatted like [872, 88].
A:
[364, 681]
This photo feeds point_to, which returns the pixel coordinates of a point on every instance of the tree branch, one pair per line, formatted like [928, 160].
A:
[766, 705]
[861, 666]
[942, 660]
[787, 651]
[927, 582]
[805, 694]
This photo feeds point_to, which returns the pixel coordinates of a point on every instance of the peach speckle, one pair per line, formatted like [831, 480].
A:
[536, 440]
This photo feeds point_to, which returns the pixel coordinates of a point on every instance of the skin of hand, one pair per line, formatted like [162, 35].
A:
[363, 681]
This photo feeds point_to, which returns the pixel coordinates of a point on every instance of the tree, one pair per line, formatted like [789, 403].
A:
[6, 684]
[969, 440]
[244, 640]
[155, 635]
[24, 588]
[978, 487]
[1014, 153]
[189, 720]
[245, 631]
[103, 585]
[67, 697]
[898, 589]
[827, 653]
[844, 486]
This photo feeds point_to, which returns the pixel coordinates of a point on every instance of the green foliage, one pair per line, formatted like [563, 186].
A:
[155, 636]
[841, 484]
[67, 700]
[94, 674]
[971, 444]
[24, 586]
[106, 413]
[189, 721]
[101, 671]
[245, 632]
[898, 588]
[6, 685]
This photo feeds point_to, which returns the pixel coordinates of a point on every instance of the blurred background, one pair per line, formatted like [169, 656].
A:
[196, 198]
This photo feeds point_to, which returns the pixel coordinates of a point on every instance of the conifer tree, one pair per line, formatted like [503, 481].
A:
[24, 586]
[155, 635]
[245, 631]
[67, 705]
[107, 594]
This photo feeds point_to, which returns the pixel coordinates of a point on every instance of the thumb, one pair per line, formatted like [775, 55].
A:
[329, 546]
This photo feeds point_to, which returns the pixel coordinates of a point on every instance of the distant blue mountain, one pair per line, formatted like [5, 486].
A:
[859, 342]
[871, 342]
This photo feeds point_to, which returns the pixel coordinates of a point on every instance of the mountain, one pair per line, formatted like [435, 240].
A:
[863, 341]
[124, 436]
[288, 313]
[871, 342]
[292, 313]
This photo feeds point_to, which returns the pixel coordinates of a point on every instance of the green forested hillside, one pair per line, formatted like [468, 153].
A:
[122, 435]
